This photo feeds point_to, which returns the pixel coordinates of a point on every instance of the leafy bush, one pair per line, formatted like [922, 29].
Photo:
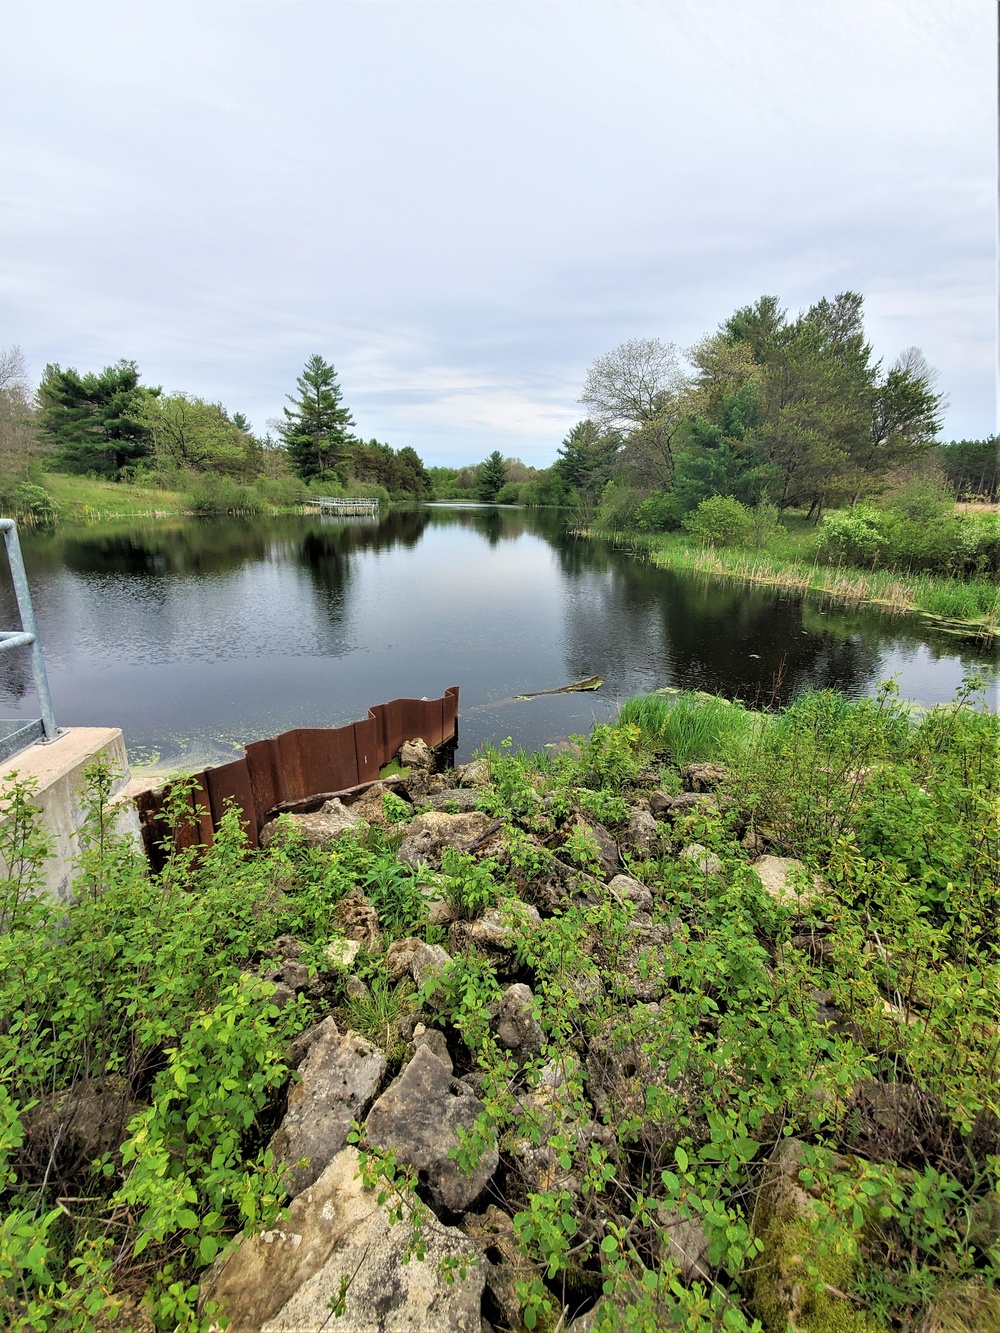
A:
[27, 502]
[721, 521]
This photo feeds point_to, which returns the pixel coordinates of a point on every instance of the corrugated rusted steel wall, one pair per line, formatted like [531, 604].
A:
[295, 765]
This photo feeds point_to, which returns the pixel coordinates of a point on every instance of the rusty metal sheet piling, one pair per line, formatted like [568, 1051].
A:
[292, 767]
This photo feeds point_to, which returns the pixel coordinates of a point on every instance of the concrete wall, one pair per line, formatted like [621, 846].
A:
[58, 769]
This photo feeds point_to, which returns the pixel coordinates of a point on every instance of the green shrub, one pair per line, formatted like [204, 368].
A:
[721, 521]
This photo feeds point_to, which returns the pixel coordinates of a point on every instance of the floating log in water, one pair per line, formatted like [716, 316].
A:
[590, 683]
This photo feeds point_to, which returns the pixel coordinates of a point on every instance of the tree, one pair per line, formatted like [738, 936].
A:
[186, 432]
[18, 432]
[315, 429]
[586, 458]
[638, 388]
[492, 475]
[95, 422]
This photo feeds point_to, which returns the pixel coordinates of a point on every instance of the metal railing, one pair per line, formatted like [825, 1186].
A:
[27, 635]
[346, 505]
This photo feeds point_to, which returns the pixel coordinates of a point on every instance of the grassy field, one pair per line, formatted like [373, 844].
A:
[86, 499]
[965, 606]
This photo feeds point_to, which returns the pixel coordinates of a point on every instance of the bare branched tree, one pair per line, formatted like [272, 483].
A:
[631, 385]
[18, 433]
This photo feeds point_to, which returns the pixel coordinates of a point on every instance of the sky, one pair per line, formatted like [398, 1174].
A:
[462, 203]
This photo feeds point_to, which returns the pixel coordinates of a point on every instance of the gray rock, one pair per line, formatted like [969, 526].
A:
[787, 880]
[317, 829]
[685, 1242]
[285, 1280]
[434, 1040]
[416, 754]
[419, 849]
[355, 989]
[418, 1117]
[707, 862]
[341, 954]
[399, 958]
[426, 960]
[627, 889]
[515, 1028]
[370, 807]
[340, 1077]
[690, 802]
[454, 800]
[660, 804]
[496, 932]
[643, 837]
[705, 777]
[476, 774]
[607, 849]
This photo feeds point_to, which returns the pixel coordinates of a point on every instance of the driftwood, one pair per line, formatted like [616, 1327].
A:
[589, 683]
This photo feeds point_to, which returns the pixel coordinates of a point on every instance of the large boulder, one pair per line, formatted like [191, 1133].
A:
[643, 838]
[788, 881]
[339, 1080]
[416, 754]
[434, 830]
[338, 1236]
[318, 829]
[705, 777]
[418, 1117]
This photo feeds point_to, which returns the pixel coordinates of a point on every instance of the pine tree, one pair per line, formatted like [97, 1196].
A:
[316, 430]
[492, 476]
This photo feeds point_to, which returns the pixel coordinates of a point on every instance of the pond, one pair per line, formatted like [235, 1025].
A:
[195, 636]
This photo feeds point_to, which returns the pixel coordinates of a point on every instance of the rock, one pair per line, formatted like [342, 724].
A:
[515, 1027]
[642, 838]
[496, 932]
[434, 1040]
[562, 886]
[628, 890]
[704, 777]
[399, 958]
[783, 878]
[798, 1278]
[556, 1111]
[356, 990]
[660, 804]
[690, 802]
[298, 1048]
[454, 800]
[707, 862]
[418, 1117]
[430, 832]
[426, 960]
[476, 774]
[324, 826]
[416, 754]
[77, 1124]
[288, 973]
[281, 995]
[753, 842]
[684, 1241]
[607, 849]
[620, 1075]
[286, 1280]
[286, 946]
[342, 953]
[340, 1077]
[355, 917]
[419, 849]
[370, 807]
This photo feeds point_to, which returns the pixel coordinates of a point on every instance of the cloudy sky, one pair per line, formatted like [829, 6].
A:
[461, 203]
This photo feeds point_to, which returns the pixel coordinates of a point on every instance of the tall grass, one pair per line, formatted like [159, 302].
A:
[692, 727]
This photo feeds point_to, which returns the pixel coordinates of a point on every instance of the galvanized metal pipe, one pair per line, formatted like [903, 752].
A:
[29, 630]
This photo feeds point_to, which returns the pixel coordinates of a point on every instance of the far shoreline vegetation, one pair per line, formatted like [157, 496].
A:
[784, 455]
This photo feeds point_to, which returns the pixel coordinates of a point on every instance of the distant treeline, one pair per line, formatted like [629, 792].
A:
[107, 424]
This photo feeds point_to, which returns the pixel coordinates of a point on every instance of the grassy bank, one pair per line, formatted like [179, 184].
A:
[738, 1103]
[90, 500]
[970, 607]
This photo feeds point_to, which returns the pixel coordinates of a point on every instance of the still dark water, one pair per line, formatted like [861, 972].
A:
[198, 635]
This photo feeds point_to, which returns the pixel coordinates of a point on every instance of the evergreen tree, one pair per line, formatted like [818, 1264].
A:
[316, 427]
[96, 423]
[492, 476]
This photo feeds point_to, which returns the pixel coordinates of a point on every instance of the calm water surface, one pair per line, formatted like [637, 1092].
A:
[198, 635]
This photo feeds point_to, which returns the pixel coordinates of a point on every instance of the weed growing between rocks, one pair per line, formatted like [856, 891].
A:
[693, 1029]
